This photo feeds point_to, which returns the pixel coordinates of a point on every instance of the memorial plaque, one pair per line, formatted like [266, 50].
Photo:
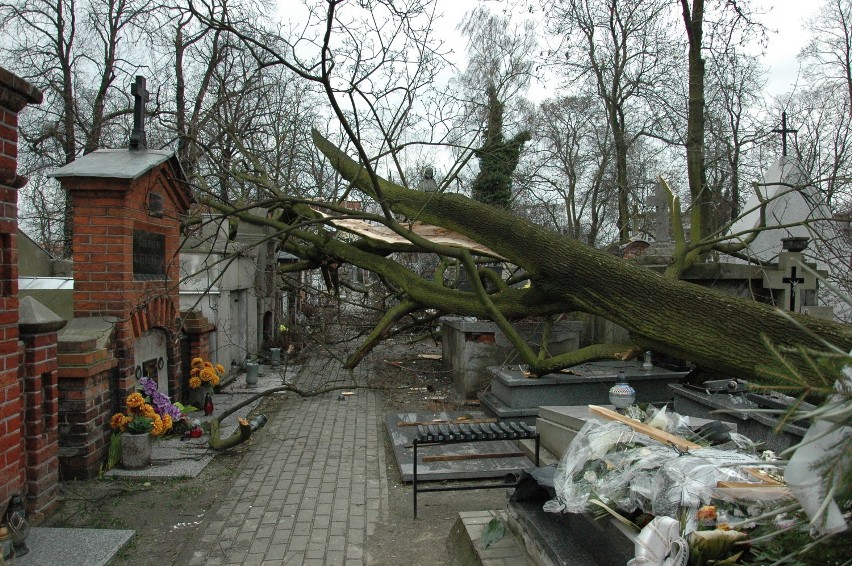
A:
[149, 255]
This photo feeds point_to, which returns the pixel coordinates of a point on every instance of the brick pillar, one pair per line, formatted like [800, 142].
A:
[15, 94]
[85, 405]
[38, 327]
[198, 330]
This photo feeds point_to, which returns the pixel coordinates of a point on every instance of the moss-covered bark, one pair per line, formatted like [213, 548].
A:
[713, 330]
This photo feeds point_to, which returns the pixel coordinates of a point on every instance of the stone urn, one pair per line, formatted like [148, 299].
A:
[135, 451]
[252, 372]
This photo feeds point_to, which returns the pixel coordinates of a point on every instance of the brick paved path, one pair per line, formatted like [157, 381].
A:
[311, 487]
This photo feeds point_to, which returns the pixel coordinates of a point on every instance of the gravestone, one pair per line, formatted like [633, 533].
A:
[468, 349]
[517, 396]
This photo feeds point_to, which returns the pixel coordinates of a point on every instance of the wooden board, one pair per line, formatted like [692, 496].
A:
[655, 433]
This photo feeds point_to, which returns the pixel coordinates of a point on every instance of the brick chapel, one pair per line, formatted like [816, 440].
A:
[60, 381]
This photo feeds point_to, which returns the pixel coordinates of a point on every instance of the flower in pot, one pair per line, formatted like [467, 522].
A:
[203, 377]
[134, 429]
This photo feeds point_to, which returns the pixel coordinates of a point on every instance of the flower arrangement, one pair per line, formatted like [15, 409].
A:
[205, 373]
[140, 418]
[161, 402]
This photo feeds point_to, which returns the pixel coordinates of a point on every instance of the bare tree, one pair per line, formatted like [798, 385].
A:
[830, 48]
[575, 148]
[732, 129]
[623, 48]
[63, 47]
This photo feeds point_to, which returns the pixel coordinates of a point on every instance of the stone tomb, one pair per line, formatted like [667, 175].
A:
[470, 347]
[515, 396]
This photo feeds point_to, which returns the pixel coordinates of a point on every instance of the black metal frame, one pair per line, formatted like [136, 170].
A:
[458, 433]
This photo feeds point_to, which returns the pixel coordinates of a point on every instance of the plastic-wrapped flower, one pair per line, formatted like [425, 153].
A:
[134, 401]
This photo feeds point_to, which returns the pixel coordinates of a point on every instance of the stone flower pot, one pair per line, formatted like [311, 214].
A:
[195, 397]
[135, 451]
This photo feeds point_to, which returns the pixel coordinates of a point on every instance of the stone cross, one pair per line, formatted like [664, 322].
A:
[140, 95]
[789, 280]
[784, 130]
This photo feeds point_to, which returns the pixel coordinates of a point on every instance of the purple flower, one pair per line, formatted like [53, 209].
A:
[161, 402]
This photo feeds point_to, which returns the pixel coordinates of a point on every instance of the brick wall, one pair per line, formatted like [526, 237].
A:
[15, 94]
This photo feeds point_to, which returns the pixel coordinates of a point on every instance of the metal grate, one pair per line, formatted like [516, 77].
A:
[469, 432]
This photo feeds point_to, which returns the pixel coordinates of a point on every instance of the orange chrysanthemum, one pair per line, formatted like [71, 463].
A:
[119, 421]
[195, 382]
[148, 411]
[134, 400]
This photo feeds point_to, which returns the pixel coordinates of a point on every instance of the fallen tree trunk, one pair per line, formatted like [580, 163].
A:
[721, 332]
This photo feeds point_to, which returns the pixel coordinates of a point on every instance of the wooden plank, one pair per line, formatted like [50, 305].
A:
[655, 433]
[749, 485]
[429, 356]
[759, 474]
[477, 456]
[445, 421]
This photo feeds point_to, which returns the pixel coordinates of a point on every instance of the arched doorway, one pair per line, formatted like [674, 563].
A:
[150, 358]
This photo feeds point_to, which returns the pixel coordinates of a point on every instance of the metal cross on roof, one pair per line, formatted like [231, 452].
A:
[784, 130]
[140, 94]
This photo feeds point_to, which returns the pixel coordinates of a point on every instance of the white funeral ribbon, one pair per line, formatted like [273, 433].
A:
[819, 443]
[660, 544]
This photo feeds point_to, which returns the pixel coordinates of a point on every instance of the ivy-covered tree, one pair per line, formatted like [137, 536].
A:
[498, 157]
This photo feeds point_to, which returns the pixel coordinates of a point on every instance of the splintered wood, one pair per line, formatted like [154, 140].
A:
[434, 234]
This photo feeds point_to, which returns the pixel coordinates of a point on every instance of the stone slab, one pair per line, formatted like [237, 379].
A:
[494, 407]
[466, 546]
[64, 547]
[568, 539]
[403, 436]
[759, 427]
[584, 384]
[554, 436]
